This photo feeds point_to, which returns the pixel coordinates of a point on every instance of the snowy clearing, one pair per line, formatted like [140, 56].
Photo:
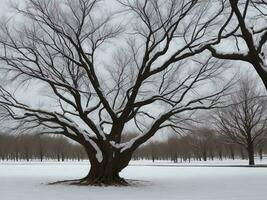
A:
[28, 181]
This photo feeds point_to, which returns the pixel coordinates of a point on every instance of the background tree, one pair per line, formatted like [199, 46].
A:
[261, 143]
[244, 122]
[202, 140]
[93, 76]
[176, 148]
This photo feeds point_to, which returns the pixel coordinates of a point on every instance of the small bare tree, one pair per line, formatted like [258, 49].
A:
[99, 75]
[244, 122]
[202, 140]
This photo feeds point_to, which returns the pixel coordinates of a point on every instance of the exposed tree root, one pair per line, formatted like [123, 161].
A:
[103, 181]
[64, 181]
[99, 181]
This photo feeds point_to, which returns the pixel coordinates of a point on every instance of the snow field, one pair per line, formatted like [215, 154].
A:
[28, 181]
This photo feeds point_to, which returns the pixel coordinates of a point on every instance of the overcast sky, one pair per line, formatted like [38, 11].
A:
[110, 4]
[3, 4]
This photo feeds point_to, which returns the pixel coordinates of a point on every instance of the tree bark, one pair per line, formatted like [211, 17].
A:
[250, 150]
[107, 171]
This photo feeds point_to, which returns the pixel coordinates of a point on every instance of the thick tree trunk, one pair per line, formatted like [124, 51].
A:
[250, 150]
[107, 171]
[101, 174]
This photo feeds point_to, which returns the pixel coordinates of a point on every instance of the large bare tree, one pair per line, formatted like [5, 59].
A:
[94, 75]
[244, 122]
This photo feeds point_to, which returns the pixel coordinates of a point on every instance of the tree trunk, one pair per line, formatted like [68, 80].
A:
[107, 171]
[211, 155]
[250, 150]
[204, 155]
[260, 153]
[242, 154]
[232, 153]
[220, 155]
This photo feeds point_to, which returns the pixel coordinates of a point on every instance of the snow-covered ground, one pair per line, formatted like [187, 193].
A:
[159, 180]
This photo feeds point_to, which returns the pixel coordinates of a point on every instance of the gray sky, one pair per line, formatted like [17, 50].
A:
[3, 4]
[4, 10]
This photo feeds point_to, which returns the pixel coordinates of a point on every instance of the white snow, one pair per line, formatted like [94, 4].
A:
[126, 145]
[117, 145]
[101, 132]
[28, 181]
[263, 62]
[98, 155]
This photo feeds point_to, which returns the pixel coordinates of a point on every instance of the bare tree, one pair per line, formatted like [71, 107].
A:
[261, 143]
[99, 76]
[246, 29]
[202, 141]
[244, 122]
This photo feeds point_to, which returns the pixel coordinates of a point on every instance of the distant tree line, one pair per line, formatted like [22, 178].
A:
[201, 144]
[35, 147]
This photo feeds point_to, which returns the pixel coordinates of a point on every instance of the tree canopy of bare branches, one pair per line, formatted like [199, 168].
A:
[244, 122]
[96, 75]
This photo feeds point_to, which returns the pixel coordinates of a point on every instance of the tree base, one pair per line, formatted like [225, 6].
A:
[103, 181]
[111, 181]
